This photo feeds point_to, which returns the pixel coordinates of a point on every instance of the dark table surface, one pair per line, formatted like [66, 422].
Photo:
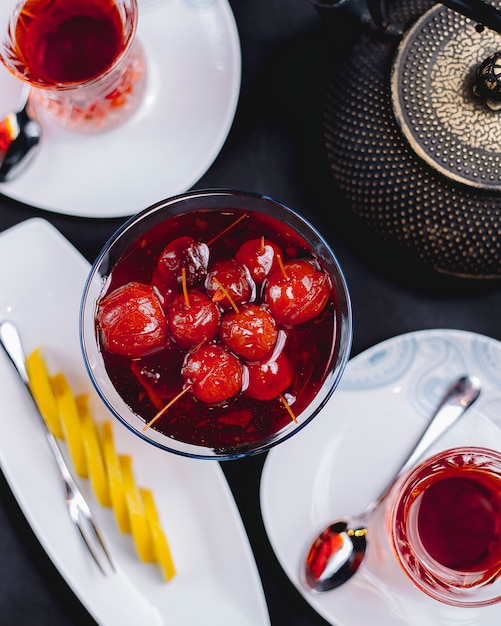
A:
[275, 147]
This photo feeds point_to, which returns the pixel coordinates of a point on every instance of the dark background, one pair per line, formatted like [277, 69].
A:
[275, 147]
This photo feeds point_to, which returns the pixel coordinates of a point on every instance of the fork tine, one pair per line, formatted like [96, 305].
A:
[83, 519]
[102, 544]
[90, 548]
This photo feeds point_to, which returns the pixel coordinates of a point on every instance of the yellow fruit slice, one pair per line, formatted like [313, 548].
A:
[42, 391]
[162, 549]
[70, 420]
[93, 454]
[115, 480]
[140, 528]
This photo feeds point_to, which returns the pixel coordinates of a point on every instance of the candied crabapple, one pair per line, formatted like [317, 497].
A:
[269, 379]
[183, 252]
[215, 375]
[259, 256]
[231, 277]
[193, 322]
[132, 321]
[251, 333]
[298, 293]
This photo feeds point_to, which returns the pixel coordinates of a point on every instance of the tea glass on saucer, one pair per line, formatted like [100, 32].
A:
[82, 59]
[207, 390]
[445, 526]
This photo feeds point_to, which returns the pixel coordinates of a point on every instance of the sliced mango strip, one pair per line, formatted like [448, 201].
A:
[140, 528]
[115, 480]
[93, 454]
[160, 543]
[70, 419]
[43, 393]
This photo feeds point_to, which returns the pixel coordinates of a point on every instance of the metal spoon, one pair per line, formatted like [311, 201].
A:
[22, 147]
[337, 552]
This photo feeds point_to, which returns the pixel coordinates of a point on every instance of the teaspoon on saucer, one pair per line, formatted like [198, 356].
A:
[337, 552]
[25, 137]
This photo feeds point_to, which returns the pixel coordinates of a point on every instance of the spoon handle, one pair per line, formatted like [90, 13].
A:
[458, 397]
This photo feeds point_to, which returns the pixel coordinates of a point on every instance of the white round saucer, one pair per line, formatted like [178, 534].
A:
[352, 448]
[193, 56]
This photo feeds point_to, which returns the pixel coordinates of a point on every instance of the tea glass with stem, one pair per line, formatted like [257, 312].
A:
[82, 59]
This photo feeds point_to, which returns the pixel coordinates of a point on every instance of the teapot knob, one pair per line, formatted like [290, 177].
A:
[488, 81]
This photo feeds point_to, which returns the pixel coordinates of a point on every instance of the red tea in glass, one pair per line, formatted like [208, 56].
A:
[252, 411]
[65, 42]
[446, 526]
[80, 55]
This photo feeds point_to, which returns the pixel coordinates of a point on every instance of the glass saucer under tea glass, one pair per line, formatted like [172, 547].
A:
[216, 395]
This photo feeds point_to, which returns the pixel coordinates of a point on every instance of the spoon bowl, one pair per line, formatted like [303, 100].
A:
[339, 549]
[343, 544]
[25, 137]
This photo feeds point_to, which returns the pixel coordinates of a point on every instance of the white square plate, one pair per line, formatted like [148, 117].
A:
[41, 281]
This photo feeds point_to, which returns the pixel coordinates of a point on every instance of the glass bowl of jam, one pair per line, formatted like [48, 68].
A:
[216, 324]
[445, 526]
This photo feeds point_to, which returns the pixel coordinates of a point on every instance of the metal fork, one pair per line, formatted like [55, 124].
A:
[78, 508]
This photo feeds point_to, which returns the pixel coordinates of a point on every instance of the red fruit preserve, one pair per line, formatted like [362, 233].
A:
[250, 316]
[459, 520]
[65, 42]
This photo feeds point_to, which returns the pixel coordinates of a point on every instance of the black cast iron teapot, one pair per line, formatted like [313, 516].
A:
[413, 128]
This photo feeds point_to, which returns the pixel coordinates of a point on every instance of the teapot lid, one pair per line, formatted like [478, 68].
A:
[446, 96]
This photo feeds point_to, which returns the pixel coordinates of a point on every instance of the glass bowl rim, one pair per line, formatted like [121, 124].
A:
[344, 323]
